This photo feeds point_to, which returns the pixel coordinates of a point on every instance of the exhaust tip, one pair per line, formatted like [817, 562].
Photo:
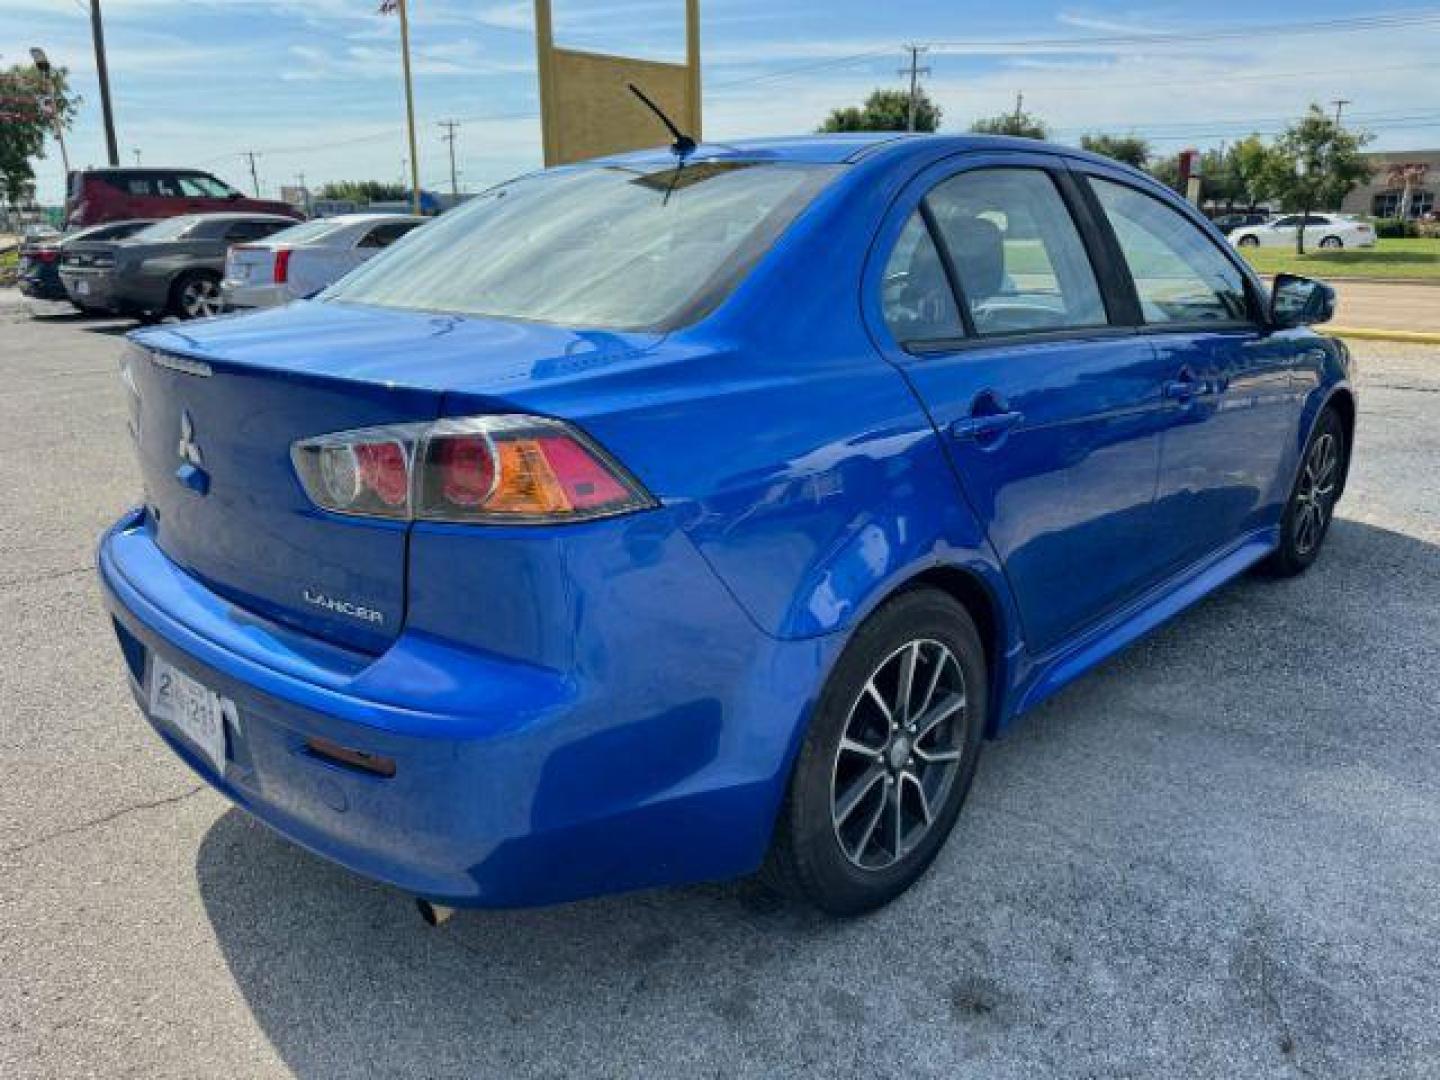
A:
[434, 914]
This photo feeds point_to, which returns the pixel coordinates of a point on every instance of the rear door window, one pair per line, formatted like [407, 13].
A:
[1018, 256]
[1180, 275]
[386, 233]
[241, 231]
[916, 297]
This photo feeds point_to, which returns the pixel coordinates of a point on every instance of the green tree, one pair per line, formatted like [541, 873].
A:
[1167, 171]
[1219, 180]
[1131, 149]
[363, 191]
[1250, 160]
[885, 110]
[1018, 123]
[1315, 163]
[31, 104]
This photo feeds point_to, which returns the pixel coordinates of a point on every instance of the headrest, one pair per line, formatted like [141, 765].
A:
[978, 247]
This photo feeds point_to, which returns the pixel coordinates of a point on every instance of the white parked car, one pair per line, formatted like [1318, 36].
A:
[1321, 230]
[299, 261]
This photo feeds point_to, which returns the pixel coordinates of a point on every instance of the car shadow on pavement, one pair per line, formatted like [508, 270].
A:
[1214, 850]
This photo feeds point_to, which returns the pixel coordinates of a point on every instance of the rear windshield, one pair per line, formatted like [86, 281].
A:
[614, 247]
[169, 229]
[308, 233]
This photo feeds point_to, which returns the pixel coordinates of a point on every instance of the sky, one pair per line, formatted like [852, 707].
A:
[314, 86]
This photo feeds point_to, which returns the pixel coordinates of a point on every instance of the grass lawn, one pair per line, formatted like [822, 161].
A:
[1387, 259]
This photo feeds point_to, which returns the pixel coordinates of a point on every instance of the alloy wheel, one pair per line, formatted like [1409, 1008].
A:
[200, 298]
[899, 754]
[1315, 497]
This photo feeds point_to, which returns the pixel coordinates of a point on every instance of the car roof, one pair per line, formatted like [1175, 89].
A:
[845, 148]
[143, 169]
[237, 215]
[363, 218]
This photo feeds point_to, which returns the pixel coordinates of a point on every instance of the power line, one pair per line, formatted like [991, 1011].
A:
[1308, 27]
[1186, 37]
[1101, 82]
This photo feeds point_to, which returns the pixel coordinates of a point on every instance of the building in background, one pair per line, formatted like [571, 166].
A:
[1383, 195]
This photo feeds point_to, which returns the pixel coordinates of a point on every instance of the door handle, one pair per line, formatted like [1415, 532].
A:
[1182, 388]
[986, 425]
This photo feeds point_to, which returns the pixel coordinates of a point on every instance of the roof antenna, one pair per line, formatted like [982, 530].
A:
[683, 144]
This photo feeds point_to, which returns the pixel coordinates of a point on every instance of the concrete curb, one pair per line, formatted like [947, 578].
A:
[1411, 337]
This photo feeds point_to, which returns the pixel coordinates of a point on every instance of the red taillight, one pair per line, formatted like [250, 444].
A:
[492, 469]
[282, 265]
[384, 472]
[584, 480]
[45, 255]
[467, 470]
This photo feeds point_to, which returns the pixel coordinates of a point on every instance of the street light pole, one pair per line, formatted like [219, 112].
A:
[97, 31]
[42, 65]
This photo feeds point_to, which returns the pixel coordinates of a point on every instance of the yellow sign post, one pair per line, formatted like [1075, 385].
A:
[586, 107]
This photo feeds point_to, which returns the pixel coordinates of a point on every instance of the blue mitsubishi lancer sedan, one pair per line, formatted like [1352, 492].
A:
[680, 515]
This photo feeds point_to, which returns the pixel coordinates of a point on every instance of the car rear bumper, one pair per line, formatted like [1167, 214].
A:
[47, 287]
[239, 294]
[513, 785]
[94, 289]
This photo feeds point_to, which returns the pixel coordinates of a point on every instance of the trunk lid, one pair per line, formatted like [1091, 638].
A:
[88, 254]
[220, 403]
[251, 264]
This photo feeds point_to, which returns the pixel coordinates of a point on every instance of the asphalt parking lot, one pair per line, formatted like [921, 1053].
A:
[1218, 856]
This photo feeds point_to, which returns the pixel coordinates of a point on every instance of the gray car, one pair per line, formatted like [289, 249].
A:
[171, 268]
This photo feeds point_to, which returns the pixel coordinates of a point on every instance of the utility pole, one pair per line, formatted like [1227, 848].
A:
[254, 176]
[1339, 104]
[136, 151]
[449, 136]
[914, 71]
[304, 193]
[1019, 107]
[386, 6]
[97, 31]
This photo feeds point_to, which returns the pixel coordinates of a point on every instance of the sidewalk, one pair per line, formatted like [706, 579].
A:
[1375, 306]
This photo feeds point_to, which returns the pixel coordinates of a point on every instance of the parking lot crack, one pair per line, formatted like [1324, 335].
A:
[104, 819]
[48, 575]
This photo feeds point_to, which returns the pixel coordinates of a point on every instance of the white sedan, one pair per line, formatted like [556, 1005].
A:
[1321, 231]
[299, 261]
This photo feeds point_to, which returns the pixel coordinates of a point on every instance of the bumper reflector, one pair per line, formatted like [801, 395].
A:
[336, 754]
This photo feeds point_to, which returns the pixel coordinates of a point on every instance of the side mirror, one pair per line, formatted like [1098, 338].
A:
[1300, 301]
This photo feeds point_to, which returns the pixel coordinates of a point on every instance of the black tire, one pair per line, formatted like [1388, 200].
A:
[193, 295]
[1248, 241]
[1332, 242]
[1318, 483]
[806, 859]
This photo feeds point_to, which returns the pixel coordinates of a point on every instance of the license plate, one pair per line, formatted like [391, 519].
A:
[82, 287]
[192, 707]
